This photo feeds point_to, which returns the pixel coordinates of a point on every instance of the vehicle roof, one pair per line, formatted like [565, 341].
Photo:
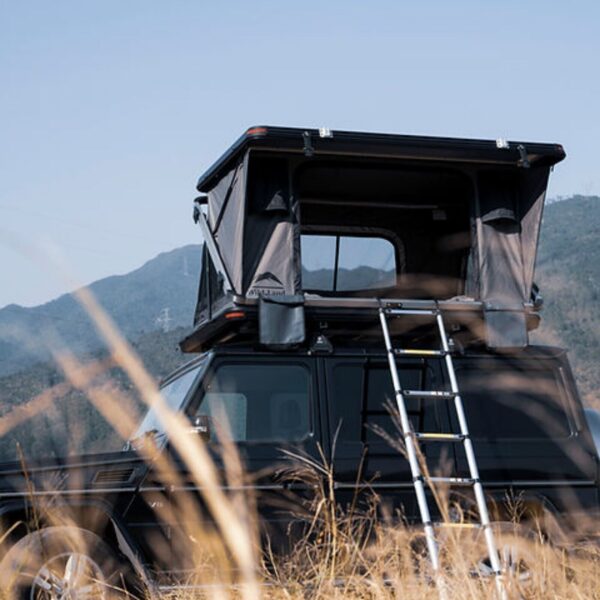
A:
[383, 145]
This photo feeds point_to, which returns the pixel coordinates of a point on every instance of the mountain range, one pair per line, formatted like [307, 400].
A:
[153, 307]
[160, 295]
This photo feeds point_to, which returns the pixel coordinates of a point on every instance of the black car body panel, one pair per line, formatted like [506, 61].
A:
[347, 414]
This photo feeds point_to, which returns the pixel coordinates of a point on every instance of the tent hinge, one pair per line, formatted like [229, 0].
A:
[308, 147]
[524, 160]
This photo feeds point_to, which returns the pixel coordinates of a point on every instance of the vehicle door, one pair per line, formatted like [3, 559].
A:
[266, 405]
[365, 438]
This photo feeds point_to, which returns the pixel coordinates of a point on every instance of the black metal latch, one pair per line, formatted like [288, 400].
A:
[524, 160]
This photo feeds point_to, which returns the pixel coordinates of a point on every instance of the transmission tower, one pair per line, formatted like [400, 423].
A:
[164, 319]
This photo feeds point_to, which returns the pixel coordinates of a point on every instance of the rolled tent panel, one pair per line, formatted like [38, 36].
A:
[502, 274]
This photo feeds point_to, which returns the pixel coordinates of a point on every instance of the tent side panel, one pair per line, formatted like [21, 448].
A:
[227, 200]
[510, 209]
[211, 289]
[271, 237]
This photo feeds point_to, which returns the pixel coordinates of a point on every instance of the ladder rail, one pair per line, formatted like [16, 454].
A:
[411, 451]
[482, 508]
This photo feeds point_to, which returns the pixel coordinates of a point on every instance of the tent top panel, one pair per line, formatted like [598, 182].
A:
[324, 142]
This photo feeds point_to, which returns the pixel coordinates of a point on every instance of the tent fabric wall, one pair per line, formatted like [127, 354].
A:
[254, 220]
[211, 293]
[533, 195]
[226, 212]
[510, 208]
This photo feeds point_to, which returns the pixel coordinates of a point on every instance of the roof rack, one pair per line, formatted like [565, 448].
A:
[344, 319]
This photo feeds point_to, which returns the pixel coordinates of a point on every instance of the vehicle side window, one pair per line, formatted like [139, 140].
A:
[513, 403]
[363, 397]
[258, 402]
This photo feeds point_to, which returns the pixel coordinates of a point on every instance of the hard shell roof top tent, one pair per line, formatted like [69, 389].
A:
[339, 222]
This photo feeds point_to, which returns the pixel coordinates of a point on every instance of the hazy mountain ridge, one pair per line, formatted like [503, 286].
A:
[135, 301]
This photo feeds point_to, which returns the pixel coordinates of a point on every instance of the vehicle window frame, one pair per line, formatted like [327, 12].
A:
[201, 366]
[487, 364]
[367, 365]
[225, 360]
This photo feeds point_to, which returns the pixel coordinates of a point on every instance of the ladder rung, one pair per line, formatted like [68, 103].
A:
[416, 352]
[439, 437]
[429, 394]
[458, 525]
[453, 480]
[410, 311]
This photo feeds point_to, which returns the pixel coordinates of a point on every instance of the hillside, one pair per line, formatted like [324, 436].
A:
[71, 424]
[136, 301]
[568, 273]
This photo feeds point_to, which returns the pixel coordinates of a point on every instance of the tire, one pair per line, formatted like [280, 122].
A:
[62, 562]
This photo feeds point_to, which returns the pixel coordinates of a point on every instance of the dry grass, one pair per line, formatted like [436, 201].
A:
[356, 551]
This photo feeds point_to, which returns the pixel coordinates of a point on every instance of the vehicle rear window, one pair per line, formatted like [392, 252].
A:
[346, 263]
[364, 402]
[504, 402]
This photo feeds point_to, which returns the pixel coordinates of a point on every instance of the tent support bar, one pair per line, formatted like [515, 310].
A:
[213, 251]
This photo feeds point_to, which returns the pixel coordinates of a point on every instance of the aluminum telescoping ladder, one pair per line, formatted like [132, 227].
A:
[412, 438]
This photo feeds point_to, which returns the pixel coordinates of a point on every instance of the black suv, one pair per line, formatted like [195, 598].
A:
[526, 419]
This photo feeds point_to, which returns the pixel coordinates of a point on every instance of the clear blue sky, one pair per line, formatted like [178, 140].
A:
[111, 109]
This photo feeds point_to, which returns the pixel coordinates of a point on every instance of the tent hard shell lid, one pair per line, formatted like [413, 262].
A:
[342, 220]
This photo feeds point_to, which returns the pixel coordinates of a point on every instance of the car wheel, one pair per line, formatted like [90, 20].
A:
[524, 559]
[62, 563]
